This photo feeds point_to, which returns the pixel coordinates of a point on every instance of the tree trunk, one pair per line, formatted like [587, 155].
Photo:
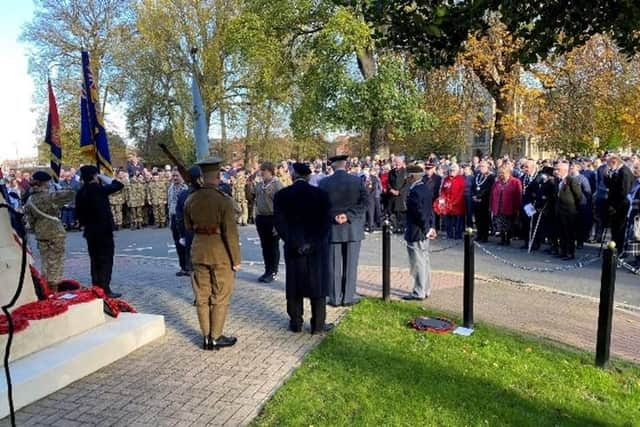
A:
[377, 142]
[223, 126]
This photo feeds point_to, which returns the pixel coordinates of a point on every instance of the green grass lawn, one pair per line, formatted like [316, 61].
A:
[373, 370]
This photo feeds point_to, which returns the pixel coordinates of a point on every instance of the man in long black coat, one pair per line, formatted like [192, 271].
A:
[348, 199]
[94, 214]
[569, 196]
[619, 181]
[398, 192]
[302, 220]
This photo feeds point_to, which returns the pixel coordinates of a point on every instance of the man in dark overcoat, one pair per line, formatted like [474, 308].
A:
[303, 222]
[94, 214]
[398, 191]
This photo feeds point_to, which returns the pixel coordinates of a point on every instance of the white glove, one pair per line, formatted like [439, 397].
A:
[182, 241]
[105, 179]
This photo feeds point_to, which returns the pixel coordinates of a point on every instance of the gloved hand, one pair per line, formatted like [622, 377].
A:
[182, 241]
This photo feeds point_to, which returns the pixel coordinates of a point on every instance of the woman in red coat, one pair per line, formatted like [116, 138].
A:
[453, 191]
[506, 198]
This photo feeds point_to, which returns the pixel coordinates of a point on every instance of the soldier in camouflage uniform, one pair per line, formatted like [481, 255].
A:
[43, 211]
[116, 200]
[240, 197]
[157, 195]
[135, 197]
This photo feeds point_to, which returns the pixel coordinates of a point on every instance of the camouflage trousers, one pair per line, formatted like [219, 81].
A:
[135, 216]
[52, 259]
[116, 211]
[243, 212]
[159, 215]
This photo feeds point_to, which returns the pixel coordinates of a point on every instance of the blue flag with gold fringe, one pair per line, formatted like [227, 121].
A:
[93, 136]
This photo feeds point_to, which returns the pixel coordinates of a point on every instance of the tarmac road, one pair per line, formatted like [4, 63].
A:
[157, 243]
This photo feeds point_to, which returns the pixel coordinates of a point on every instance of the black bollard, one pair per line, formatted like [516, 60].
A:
[605, 316]
[386, 260]
[469, 272]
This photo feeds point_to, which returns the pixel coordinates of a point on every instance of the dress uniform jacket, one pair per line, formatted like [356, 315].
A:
[420, 217]
[347, 195]
[303, 222]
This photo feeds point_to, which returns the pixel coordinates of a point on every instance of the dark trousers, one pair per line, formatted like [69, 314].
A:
[180, 250]
[600, 211]
[295, 309]
[68, 216]
[483, 220]
[583, 224]
[618, 225]
[101, 250]
[344, 265]
[399, 221]
[455, 226]
[373, 213]
[567, 233]
[269, 241]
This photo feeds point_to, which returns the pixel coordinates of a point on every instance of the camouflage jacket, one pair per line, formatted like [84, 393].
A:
[239, 189]
[135, 195]
[43, 210]
[157, 192]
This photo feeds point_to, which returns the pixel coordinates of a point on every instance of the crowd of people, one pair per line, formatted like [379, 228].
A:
[322, 210]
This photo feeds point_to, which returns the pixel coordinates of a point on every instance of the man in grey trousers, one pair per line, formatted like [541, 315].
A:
[418, 233]
[349, 199]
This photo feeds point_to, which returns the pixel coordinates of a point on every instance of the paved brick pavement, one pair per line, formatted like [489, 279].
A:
[568, 319]
[171, 382]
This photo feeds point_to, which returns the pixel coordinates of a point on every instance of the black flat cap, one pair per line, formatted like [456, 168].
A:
[302, 169]
[87, 172]
[340, 158]
[414, 169]
[41, 176]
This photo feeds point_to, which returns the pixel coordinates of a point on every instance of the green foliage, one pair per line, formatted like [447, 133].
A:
[374, 370]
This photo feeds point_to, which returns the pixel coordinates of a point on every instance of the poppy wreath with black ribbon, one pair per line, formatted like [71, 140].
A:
[41, 309]
[19, 324]
[436, 325]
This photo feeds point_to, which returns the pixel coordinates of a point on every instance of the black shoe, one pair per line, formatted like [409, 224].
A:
[295, 328]
[333, 304]
[412, 298]
[207, 343]
[111, 294]
[181, 273]
[326, 328]
[261, 278]
[223, 341]
[350, 303]
[569, 258]
[270, 278]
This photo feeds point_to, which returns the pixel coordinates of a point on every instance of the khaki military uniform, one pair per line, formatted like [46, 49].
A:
[157, 195]
[43, 210]
[116, 200]
[135, 197]
[240, 198]
[209, 214]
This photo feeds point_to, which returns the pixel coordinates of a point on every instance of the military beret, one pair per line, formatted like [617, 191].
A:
[302, 169]
[87, 172]
[339, 158]
[211, 164]
[414, 169]
[41, 176]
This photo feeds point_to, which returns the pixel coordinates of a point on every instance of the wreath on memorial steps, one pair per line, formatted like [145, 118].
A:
[41, 309]
[19, 324]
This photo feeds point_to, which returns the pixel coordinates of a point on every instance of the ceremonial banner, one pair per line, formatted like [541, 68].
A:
[200, 129]
[52, 136]
[93, 137]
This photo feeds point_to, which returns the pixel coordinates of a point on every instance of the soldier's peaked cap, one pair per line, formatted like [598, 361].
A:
[41, 176]
[340, 158]
[211, 164]
[194, 171]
